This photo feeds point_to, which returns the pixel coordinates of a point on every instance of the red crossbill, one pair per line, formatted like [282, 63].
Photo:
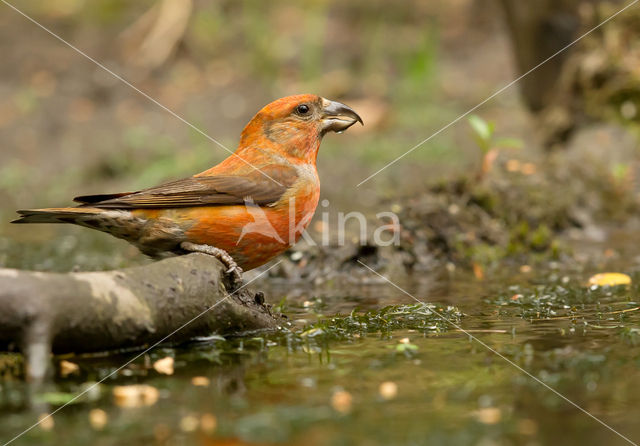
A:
[245, 210]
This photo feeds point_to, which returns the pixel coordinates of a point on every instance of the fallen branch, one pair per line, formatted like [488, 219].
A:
[42, 313]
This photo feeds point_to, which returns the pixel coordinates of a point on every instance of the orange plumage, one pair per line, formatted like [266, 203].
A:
[253, 205]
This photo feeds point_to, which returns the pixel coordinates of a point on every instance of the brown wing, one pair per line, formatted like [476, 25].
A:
[203, 191]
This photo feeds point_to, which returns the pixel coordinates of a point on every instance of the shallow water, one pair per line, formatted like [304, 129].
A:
[344, 372]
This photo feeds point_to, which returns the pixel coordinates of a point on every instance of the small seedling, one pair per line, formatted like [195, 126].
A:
[483, 133]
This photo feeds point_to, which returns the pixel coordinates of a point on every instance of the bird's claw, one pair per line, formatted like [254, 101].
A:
[236, 274]
[233, 271]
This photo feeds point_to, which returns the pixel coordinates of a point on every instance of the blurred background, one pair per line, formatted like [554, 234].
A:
[68, 127]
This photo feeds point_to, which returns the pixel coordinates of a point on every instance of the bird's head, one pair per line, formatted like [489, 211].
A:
[296, 124]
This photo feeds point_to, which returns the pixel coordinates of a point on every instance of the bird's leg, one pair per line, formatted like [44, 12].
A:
[233, 269]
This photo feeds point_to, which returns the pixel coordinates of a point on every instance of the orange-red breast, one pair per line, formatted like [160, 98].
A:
[253, 205]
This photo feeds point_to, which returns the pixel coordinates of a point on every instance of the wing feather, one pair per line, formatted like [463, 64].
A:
[203, 191]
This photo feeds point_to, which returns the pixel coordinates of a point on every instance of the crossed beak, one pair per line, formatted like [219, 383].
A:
[337, 117]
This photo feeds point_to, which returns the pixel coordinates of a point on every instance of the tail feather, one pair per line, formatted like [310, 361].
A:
[54, 215]
[119, 223]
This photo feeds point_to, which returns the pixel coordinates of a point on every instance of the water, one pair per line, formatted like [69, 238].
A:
[400, 377]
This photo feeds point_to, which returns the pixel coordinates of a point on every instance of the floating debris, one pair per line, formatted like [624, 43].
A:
[525, 269]
[189, 423]
[208, 423]
[388, 390]
[341, 401]
[137, 395]
[68, 368]
[164, 365]
[98, 419]
[45, 422]
[488, 415]
[200, 381]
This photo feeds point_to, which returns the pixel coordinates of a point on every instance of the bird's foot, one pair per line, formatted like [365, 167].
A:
[234, 272]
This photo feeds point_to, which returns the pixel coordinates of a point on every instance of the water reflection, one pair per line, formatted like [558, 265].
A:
[302, 386]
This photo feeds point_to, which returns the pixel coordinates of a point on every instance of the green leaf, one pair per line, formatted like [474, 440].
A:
[482, 129]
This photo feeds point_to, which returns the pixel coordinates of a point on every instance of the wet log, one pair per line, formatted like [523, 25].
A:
[178, 299]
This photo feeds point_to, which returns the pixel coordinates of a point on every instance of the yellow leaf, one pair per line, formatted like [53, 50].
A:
[609, 279]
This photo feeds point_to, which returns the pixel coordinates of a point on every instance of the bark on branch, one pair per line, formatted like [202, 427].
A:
[96, 311]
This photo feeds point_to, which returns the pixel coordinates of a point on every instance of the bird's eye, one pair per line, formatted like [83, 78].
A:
[302, 109]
